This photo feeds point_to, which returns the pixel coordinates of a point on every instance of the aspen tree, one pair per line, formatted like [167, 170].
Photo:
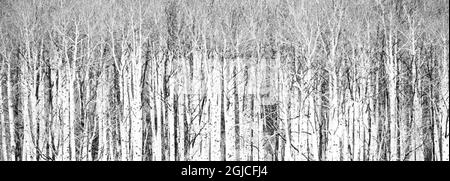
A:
[3, 153]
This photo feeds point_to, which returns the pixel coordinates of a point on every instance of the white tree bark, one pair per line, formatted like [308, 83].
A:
[27, 145]
[136, 108]
[101, 107]
[12, 128]
[3, 153]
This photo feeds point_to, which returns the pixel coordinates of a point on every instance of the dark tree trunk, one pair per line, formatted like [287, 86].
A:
[222, 113]
[237, 142]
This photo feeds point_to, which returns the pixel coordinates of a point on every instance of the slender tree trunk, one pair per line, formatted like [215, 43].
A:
[136, 107]
[101, 108]
[3, 153]
[27, 144]
[12, 128]
[237, 143]
[124, 122]
[175, 123]
[427, 127]
[223, 156]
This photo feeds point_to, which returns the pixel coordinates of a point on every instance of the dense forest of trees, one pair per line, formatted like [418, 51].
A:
[154, 80]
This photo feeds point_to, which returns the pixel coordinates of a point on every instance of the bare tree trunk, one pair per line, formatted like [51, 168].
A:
[237, 143]
[124, 122]
[427, 126]
[12, 127]
[27, 144]
[3, 153]
[176, 119]
[101, 107]
[223, 155]
[324, 115]
[136, 107]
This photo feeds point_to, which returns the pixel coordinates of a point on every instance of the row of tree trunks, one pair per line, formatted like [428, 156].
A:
[209, 81]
